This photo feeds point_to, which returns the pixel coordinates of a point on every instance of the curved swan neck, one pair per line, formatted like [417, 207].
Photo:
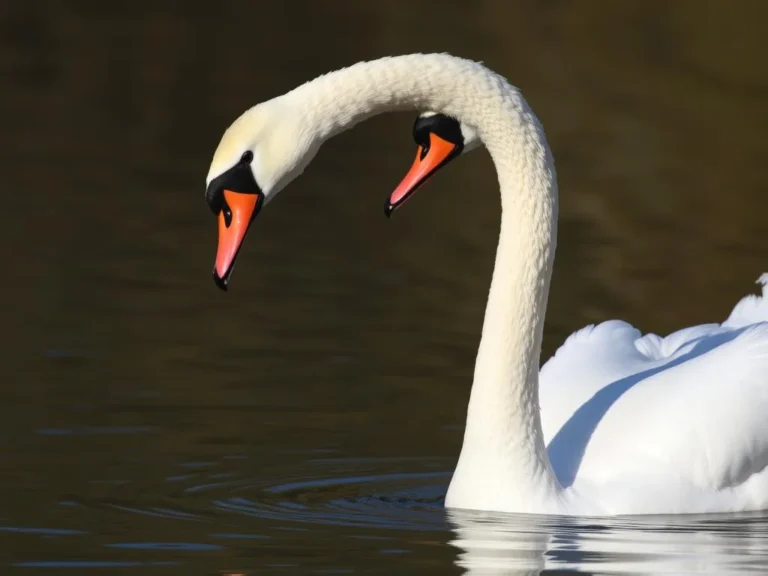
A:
[503, 451]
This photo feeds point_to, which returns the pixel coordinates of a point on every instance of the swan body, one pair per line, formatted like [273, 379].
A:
[615, 422]
[650, 425]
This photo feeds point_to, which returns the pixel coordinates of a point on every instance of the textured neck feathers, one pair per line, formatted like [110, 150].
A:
[504, 464]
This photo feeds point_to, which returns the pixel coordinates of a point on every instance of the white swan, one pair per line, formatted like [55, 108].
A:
[630, 424]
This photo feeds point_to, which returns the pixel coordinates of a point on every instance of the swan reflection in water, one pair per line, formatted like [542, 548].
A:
[362, 503]
[532, 544]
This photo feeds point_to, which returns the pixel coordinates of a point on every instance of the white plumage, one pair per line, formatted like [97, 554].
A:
[615, 422]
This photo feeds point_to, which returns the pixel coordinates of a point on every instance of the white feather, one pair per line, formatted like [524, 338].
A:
[616, 422]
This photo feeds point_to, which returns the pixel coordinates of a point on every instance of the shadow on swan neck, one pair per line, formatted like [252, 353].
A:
[503, 464]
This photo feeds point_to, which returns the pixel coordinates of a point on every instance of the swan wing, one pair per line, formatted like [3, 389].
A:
[693, 434]
[683, 418]
[597, 356]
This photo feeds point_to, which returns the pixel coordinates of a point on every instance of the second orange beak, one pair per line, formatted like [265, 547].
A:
[427, 162]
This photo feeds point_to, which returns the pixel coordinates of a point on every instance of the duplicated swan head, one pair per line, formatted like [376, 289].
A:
[440, 139]
[269, 145]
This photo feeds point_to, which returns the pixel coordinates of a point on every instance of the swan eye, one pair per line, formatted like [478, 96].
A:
[239, 178]
[421, 135]
[445, 127]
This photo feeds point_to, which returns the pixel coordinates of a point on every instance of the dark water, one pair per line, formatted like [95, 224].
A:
[307, 422]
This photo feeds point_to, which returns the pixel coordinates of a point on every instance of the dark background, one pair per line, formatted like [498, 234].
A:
[343, 331]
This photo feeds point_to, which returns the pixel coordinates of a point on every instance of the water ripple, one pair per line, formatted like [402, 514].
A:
[165, 546]
[393, 501]
[41, 531]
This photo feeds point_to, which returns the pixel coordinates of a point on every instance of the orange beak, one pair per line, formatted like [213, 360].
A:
[236, 216]
[428, 161]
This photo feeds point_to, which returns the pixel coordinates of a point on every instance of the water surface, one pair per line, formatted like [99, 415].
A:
[308, 421]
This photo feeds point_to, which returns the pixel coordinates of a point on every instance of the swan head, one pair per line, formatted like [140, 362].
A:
[439, 139]
[270, 145]
[258, 155]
